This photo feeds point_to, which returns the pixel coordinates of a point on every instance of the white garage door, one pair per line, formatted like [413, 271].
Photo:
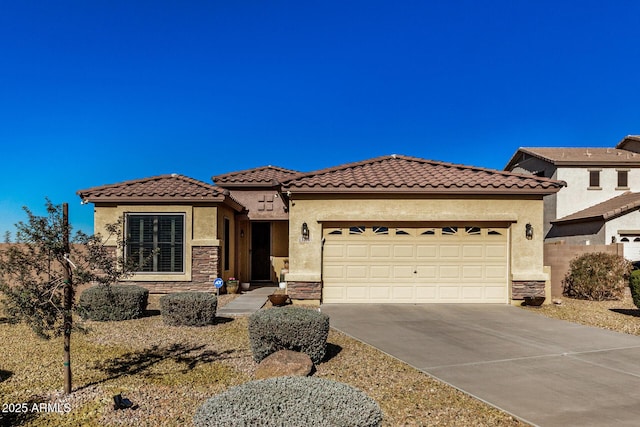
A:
[440, 264]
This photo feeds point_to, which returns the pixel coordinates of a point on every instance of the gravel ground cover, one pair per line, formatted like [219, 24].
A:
[168, 371]
[621, 316]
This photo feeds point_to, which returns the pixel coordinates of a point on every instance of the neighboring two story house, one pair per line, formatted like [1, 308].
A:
[601, 201]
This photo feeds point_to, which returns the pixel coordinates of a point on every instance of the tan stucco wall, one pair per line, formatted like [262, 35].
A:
[262, 205]
[279, 247]
[526, 256]
[200, 230]
[225, 212]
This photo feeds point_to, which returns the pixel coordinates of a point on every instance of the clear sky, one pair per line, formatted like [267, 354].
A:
[98, 92]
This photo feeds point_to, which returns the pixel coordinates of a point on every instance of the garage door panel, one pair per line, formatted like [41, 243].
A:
[426, 272]
[412, 267]
[450, 251]
[496, 251]
[403, 272]
[473, 251]
[472, 293]
[381, 251]
[496, 272]
[402, 293]
[380, 272]
[495, 293]
[449, 272]
[403, 251]
[380, 293]
[472, 272]
[357, 251]
[356, 272]
[333, 272]
[426, 293]
[334, 251]
[450, 293]
[334, 293]
[357, 292]
[426, 252]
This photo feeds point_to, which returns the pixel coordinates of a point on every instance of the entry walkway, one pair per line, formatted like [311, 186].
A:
[248, 302]
[546, 372]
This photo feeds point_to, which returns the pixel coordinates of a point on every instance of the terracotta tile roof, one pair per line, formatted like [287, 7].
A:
[163, 188]
[265, 176]
[606, 210]
[413, 175]
[577, 156]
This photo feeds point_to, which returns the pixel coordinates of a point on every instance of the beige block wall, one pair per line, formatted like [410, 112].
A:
[558, 256]
[526, 256]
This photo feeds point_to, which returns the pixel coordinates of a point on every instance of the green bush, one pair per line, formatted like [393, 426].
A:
[597, 276]
[189, 309]
[113, 302]
[290, 401]
[634, 285]
[289, 328]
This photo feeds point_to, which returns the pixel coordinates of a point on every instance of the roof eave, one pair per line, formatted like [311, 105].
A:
[422, 191]
[154, 200]
[627, 163]
[248, 184]
[513, 163]
[579, 220]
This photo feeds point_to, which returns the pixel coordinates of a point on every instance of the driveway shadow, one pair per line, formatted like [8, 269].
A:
[626, 311]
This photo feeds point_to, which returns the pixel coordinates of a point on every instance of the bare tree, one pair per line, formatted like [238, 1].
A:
[39, 275]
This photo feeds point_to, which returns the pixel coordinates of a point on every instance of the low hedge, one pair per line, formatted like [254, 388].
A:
[113, 302]
[189, 308]
[597, 276]
[290, 401]
[634, 285]
[288, 328]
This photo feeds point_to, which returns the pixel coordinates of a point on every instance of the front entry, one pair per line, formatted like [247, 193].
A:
[260, 251]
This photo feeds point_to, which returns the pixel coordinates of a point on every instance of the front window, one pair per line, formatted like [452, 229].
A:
[156, 242]
[623, 179]
[594, 179]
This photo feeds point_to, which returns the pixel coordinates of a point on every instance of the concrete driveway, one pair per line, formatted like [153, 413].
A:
[543, 371]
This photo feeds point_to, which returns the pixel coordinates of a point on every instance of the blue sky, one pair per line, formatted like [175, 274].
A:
[98, 92]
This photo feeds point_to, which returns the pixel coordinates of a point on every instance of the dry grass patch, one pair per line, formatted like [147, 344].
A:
[620, 316]
[168, 372]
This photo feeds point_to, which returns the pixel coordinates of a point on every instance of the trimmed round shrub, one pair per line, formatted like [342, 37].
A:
[597, 276]
[189, 309]
[634, 285]
[289, 328]
[113, 302]
[290, 401]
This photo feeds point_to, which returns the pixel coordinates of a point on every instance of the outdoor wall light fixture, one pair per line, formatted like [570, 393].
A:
[242, 233]
[305, 231]
[528, 231]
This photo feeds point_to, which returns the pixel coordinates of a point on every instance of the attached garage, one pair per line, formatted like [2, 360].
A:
[399, 229]
[407, 263]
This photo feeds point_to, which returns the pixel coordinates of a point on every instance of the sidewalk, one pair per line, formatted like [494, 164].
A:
[248, 302]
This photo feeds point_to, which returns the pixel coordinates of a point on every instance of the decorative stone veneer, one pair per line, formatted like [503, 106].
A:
[304, 290]
[521, 289]
[205, 267]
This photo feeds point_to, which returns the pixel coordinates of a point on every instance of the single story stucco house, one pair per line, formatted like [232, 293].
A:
[392, 229]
